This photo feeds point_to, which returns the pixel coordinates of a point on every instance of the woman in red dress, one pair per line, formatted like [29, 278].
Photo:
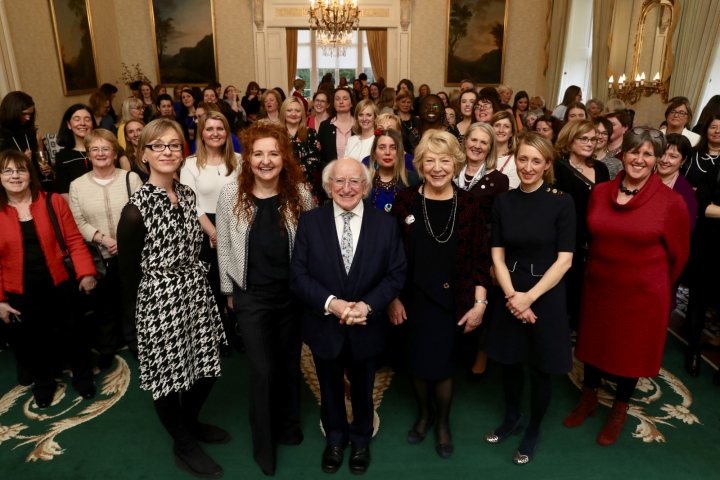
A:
[639, 243]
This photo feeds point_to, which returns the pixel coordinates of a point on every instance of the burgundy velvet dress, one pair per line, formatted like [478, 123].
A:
[637, 252]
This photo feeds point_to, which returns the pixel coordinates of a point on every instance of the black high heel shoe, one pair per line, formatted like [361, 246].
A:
[445, 450]
[693, 362]
[414, 437]
[493, 437]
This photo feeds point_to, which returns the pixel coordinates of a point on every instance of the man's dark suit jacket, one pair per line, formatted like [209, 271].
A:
[376, 277]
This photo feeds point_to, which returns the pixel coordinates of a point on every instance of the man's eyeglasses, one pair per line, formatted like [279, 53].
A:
[353, 182]
[9, 172]
[159, 147]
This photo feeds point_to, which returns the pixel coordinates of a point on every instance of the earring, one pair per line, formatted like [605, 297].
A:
[144, 160]
[375, 165]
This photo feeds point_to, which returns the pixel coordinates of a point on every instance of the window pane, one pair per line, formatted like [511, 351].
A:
[350, 60]
[303, 36]
[350, 74]
[324, 61]
[323, 71]
[304, 59]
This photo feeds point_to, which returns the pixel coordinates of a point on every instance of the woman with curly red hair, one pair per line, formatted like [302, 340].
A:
[257, 218]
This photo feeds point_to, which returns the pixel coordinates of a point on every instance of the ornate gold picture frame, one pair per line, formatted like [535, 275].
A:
[476, 39]
[185, 41]
[75, 42]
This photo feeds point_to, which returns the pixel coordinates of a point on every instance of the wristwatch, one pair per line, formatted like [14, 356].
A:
[370, 310]
[481, 301]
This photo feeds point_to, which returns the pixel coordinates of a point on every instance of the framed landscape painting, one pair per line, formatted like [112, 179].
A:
[184, 36]
[75, 45]
[476, 41]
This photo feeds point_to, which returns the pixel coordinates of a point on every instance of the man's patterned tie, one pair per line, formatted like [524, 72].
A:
[346, 246]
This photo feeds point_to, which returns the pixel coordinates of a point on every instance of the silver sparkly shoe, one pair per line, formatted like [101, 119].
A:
[520, 459]
[492, 437]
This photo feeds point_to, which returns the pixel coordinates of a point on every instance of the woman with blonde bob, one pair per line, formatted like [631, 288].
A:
[533, 240]
[306, 145]
[214, 165]
[360, 144]
[167, 293]
[506, 132]
[447, 281]
[387, 169]
[257, 221]
[577, 173]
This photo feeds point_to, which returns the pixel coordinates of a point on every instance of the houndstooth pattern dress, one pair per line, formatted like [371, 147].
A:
[178, 324]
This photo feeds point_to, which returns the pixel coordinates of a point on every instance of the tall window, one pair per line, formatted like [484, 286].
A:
[312, 64]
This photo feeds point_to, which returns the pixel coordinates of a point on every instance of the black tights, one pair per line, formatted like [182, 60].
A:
[442, 390]
[625, 385]
[179, 417]
[540, 395]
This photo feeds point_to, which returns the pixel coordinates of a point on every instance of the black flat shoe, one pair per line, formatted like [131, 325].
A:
[198, 464]
[359, 460]
[493, 437]
[414, 437]
[43, 402]
[292, 438]
[89, 393]
[332, 459]
[209, 434]
[105, 361]
[693, 361]
[445, 450]
[523, 459]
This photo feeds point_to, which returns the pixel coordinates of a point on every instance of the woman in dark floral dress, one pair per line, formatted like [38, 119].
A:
[305, 144]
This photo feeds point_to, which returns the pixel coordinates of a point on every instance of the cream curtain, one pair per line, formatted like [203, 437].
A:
[558, 16]
[602, 29]
[695, 35]
[377, 47]
[291, 46]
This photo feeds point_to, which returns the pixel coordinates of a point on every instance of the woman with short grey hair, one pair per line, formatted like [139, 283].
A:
[639, 233]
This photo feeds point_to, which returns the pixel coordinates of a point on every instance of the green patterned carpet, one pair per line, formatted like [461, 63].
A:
[675, 433]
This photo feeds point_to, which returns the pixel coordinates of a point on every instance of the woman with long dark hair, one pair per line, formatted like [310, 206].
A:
[707, 151]
[335, 132]
[572, 94]
[72, 161]
[520, 106]
[257, 218]
[19, 132]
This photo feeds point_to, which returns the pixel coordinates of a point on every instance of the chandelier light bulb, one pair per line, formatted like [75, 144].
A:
[656, 78]
[611, 80]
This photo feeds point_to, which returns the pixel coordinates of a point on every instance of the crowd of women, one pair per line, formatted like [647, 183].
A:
[176, 222]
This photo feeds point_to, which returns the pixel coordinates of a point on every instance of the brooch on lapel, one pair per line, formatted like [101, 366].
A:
[409, 219]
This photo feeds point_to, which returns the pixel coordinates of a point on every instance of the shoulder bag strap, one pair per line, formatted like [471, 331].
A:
[579, 175]
[506, 162]
[127, 184]
[56, 226]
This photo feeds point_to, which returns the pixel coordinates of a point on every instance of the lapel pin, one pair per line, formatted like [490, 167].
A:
[409, 219]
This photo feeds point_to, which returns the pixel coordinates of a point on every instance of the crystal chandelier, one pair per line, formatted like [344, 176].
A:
[334, 22]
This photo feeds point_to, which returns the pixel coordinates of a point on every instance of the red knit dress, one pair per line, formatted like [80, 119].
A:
[637, 252]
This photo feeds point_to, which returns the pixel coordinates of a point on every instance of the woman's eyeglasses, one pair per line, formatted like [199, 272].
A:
[654, 132]
[159, 147]
[9, 172]
[483, 106]
[677, 113]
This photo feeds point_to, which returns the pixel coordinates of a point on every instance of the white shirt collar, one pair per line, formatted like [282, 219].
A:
[358, 210]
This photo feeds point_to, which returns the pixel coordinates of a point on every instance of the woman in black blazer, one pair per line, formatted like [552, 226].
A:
[341, 118]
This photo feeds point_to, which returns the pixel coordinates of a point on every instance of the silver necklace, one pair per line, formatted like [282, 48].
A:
[26, 141]
[23, 218]
[579, 169]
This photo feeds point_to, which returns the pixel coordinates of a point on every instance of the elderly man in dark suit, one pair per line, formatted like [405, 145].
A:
[347, 266]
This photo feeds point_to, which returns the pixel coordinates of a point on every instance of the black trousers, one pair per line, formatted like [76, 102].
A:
[331, 375]
[106, 302]
[209, 255]
[268, 320]
[50, 331]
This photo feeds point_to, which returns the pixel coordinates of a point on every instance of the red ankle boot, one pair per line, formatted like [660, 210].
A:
[588, 406]
[615, 422]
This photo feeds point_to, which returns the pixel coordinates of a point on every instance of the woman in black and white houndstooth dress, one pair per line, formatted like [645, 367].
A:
[165, 286]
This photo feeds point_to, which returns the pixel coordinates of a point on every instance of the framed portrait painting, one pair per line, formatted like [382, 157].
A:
[75, 45]
[475, 48]
[184, 36]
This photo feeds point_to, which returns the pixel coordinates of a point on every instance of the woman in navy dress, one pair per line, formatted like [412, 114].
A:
[532, 241]
[389, 176]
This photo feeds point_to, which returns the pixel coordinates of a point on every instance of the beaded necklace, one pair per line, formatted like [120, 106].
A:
[387, 187]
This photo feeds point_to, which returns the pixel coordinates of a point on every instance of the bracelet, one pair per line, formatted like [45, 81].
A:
[481, 301]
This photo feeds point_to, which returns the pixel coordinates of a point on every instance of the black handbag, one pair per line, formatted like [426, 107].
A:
[92, 247]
